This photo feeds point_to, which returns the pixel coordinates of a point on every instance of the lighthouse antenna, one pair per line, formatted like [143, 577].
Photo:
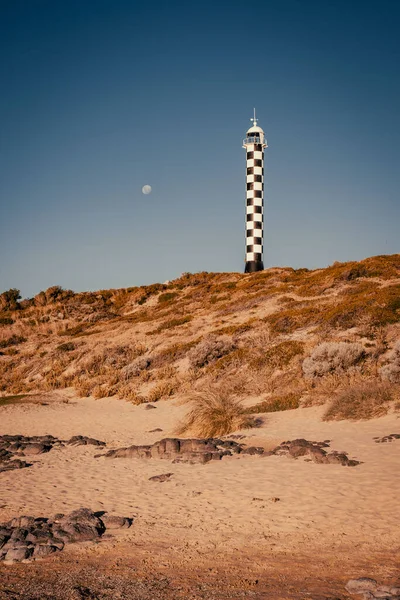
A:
[254, 120]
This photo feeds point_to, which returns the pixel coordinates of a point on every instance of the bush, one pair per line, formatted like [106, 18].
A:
[209, 350]
[135, 368]
[167, 297]
[6, 321]
[215, 412]
[9, 299]
[278, 403]
[67, 347]
[391, 371]
[130, 394]
[280, 355]
[163, 390]
[332, 357]
[14, 340]
[172, 323]
[364, 400]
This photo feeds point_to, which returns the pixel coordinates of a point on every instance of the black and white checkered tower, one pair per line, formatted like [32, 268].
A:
[254, 143]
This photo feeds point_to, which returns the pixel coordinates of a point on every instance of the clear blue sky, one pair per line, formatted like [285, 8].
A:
[99, 97]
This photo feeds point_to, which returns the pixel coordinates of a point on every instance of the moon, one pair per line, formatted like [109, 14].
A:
[146, 189]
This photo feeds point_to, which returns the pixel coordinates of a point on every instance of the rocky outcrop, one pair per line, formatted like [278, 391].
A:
[314, 451]
[369, 589]
[387, 438]
[193, 451]
[27, 538]
[201, 451]
[12, 447]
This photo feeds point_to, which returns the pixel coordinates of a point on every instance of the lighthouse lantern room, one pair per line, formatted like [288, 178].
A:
[254, 143]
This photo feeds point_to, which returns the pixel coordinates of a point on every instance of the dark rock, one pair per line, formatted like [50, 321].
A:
[81, 440]
[387, 438]
[3, 539]
[297, 450]
[13, 464]
[161, 478]
[149, 406]
[193, 451]
[19, 553]
[81, 525]
[36, 448]
[43, 550]
[252, 450]
[19, 534]
[40, 536]
[22, 522]
[155, 430]
[314, 450]
[114, 522]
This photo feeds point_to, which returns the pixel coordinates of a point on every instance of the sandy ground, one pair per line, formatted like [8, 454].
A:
[222, 512]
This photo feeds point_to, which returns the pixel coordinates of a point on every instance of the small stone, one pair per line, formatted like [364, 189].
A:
[161, 478]
[150, 406]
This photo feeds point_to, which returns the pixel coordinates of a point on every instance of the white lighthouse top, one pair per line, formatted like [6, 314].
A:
[254, 135]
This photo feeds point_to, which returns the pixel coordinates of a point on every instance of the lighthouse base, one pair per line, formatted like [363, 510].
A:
[254, 265]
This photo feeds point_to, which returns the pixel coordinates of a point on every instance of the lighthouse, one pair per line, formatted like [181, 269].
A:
[254, 143]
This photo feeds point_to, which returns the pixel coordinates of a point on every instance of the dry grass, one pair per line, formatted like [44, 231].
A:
[288, 401]
[214, 412]
[163, 390]
[363, 400]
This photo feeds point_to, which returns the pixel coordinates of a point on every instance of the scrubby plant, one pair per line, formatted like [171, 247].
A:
[129, 393]
[391, 371]
[14, 340]
[209, 350]
[278, 356]
[332, 357]
[172, 323]
[6, 321]
[67, 347]
[364, 400]
[288, 401]
[167, 297]
[214, 412]
[135, 368]
[162, 390]
[9, 299]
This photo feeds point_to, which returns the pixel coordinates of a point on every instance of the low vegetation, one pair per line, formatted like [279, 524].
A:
[391, 370]
[363, 400]
[292, 336]
[214, 412]
[332, 357]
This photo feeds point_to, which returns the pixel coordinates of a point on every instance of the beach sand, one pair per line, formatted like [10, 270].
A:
[245, 524]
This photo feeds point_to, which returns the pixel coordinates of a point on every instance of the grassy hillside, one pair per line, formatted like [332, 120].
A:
[278, 339]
